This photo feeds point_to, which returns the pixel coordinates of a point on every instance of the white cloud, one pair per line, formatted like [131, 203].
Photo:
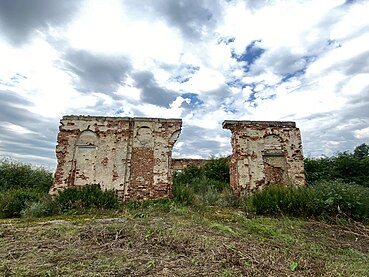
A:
[120, 58]
[362, 133]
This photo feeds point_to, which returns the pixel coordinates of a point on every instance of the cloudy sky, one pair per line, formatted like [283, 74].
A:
[200, 60]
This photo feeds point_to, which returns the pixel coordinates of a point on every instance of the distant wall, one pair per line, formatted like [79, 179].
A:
[180, 164]
[264, 153]
[129, 155]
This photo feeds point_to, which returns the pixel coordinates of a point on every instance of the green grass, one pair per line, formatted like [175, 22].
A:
[181, 241]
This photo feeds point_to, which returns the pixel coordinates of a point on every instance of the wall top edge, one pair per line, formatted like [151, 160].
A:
[230, 123]
[143, 119]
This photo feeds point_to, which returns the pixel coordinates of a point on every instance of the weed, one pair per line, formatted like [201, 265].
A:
[150, 264]
[227, 273]
[224, 228]
[293, 265]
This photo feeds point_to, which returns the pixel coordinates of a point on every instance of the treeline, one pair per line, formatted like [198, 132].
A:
[346, 167]
[338, 187]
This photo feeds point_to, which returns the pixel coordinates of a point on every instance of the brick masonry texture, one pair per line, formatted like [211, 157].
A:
[264, 153]
[181, 164]
[129, 155]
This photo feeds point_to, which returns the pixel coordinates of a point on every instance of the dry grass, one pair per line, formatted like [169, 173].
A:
[182, 242]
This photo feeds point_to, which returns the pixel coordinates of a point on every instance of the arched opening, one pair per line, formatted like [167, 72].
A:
[85, 158]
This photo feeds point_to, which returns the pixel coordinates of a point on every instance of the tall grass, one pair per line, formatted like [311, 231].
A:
[207, 185]
[324, 199]
[74, 200]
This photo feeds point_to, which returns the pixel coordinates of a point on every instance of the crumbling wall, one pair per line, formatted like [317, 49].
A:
[181, 164]
[129, 155]
[264, 153]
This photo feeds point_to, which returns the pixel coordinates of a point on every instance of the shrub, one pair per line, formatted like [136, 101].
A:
[275, 200]
[326, 199]
[45, 206]
[337, 198]
[16, 175]
[217, 169]
[188, 174]
[183, 193]
[202, 185]
[85, 198]
[12, 202]
[347, 167]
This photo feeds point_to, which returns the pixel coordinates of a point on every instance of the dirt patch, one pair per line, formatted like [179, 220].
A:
[354, 236]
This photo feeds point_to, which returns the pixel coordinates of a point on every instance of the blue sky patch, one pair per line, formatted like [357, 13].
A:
[230, 109]
[194, 100]
[307, 60]
[236, 83]
[226, 40]
[250, 55]
[185, 73]
[118, 111]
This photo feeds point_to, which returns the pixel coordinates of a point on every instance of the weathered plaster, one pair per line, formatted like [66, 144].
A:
[263, 153]
[129, 155]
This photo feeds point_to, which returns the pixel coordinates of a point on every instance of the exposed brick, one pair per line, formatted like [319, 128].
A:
[264, 153]
[180, 164]
[129, 155]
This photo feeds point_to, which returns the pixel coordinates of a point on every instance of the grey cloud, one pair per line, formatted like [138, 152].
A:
[255, 5]
[217, 97]
[282, 61]
[36, 147]
[12, 108]
[199, 141]
[97, 73]
[359, 64]
[19, 19]
[334, 131]
[151, 92]
[191, 17]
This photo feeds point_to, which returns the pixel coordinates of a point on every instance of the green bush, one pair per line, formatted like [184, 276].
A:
[276, 200]
[45, 206]
[337, 198]
[183, 193]
[16, 175]
[204, 185]
[346, 167]
[217, 169]
[85, 198]
[326, 199]
[13, 201]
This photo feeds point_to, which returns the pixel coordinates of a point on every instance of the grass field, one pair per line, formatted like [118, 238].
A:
[171, 240]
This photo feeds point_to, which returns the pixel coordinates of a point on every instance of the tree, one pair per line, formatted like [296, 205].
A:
[361, 151]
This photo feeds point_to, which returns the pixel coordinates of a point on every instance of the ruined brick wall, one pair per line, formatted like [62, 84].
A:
[129, 155]
[180, 164]
[263, 153]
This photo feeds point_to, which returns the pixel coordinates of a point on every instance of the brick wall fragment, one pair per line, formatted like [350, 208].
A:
[129, 155]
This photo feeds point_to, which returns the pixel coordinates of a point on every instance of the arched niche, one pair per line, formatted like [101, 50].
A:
[272, 142]
[145, 137]
[87, 138]
[85, 158]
